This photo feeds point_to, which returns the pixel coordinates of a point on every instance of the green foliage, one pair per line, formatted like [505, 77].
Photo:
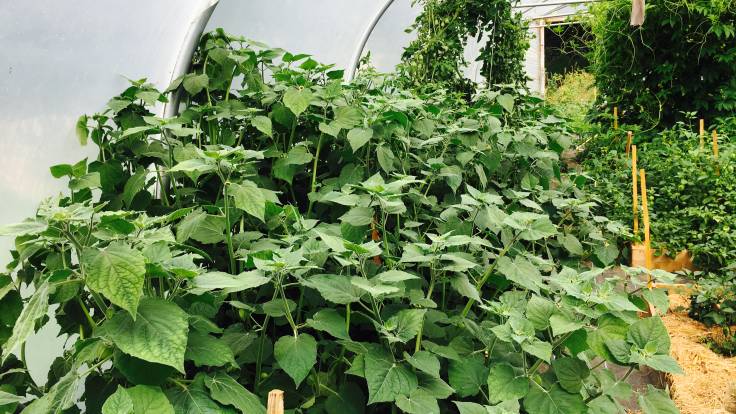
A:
[443, 29]
[573, 95]
[681, 59]
[692, 198]
[715, 304]
[360, 246]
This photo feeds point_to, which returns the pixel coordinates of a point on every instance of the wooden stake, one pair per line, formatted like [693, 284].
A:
[715, 151]
[629, 140]
[702, 133]
[275, 402]
[615, 117]
[645, 217]
[635, 192]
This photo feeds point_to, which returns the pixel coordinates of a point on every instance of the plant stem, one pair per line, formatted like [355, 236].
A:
[314, 174]
[228, 236]
[488, 273]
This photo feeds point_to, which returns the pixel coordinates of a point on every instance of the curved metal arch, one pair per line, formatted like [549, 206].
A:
[186, 51]
[355, 60]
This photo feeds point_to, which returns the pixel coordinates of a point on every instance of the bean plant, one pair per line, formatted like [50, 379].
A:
[363, 247]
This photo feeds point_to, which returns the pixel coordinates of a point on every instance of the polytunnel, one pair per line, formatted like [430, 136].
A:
[59, 60]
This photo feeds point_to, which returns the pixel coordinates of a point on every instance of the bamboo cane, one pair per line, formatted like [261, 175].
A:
[275, 402]
[629, 140]
[635, 192]
[615, 117]
[647, 238]
[715, 151]
[645, 217]
[702, 133]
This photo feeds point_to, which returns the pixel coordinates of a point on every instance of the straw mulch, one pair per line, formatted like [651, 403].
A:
[709, 383]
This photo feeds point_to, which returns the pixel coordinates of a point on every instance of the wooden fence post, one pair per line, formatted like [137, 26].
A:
[702, 133]
[275, 402]
[715, 151]
[615, 117]
[635, 192]
[629, 142]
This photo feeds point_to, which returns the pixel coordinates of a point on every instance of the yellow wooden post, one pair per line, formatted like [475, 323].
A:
[702, 133]
[635, 192]
[715, 151]
[645, 217]
[615, 117]
[275, 402]
[629, 140]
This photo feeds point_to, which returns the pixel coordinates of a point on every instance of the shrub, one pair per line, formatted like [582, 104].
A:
[352, 244]
[681, 60]
[573, 95]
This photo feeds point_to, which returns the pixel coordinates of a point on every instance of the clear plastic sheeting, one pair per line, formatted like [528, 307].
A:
[57, 61]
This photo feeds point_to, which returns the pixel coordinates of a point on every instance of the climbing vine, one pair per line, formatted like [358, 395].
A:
[444, 28]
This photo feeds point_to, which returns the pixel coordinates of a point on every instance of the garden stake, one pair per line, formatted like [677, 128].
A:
[702, 133]
[275, 402]
[615, 117]
[647, 239]
[628, 143]
[635, 192]
[715, 151]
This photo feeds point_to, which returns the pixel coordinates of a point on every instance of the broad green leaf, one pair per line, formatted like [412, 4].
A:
[35, 309]
[227, 282]
[657, 402]
[406, 324]
[663, 363]
[194, 84]
[226, 390]
[330, 321]
[8, 398]
[263, 124]
[332, 129]
[553, 401]
[470, 407]
[82, 130]
[335, 288]
[649, 330]
[158, 334]
[26, 227]
[358, 216]
[538, 348]
[463, 286]
[347, 116]
[520, 271]
[193, 168]
[118, 272]
[506, 101]
[418, 402]
[62, 395]
[572, 244]
[424, 361]
[202, 227]
[505, 385]
[373, 288]
[387, 379]
[134, 185]
[357, 137]
[297, 100]
[141, 399]
[394, 276]
[571, 373]
[467, 375]
[539, 310]
[195, 399]
[206, 350]
[118, 403]
[386, 158]
[296, 355]
[609, 328]
[249, 198]
[90, 180]
[562, 324]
